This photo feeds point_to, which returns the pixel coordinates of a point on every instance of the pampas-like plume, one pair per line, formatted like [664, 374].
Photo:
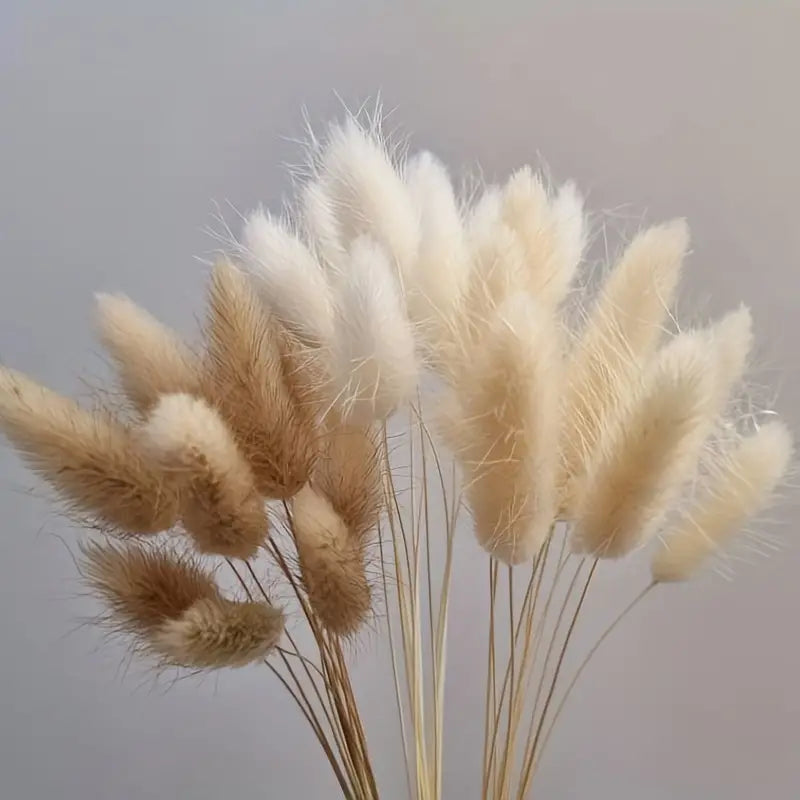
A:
[647, 454]
[358, 191]
[738, 489]
[288, 278]
[150, 358]
[171, 608]
[222, 510]
[92, 461]
[331, 563]
[505, 430]
[247, 376]
[348, 474]
[622, 331]
[374, 360]
[551, 232]
[436, 285]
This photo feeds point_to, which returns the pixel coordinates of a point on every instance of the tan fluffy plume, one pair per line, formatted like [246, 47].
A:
[171, 608]
[740, 486]
[332, 563]
[92, 461]
[150, 358]
[221, 508]
[348, 474]
[247, 380]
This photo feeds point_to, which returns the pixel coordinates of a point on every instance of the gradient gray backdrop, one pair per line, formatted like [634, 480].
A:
[119, 129]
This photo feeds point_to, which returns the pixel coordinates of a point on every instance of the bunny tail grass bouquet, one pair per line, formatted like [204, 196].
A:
[387, 363]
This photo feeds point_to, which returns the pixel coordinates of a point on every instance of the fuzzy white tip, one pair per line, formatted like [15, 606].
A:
[358, 191]
[288, 278]
[374, 360]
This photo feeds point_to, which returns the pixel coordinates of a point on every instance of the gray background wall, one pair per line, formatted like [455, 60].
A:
[118, 130]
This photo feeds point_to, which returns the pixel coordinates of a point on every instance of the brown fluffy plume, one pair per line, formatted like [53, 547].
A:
[348, 474]
[222, 509]
[622, 332]
[171, 608]
[150, 358]
[92, 461]
[331, 563]
[248, 382]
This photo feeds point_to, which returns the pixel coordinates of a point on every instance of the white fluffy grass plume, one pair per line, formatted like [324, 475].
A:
[221, 508]
[504, 430]
[374, 358]
[150, 358]
[739, 487]
[623, 329]
[289, 278]
[92, 461]
[170, 608]
[332, 563]
[357, 190]
[247, 381]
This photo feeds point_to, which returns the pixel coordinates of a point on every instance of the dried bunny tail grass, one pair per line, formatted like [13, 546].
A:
[436, 285]
[90, 459]
[623, 330]
[222, 510]
[374, 359]
[248, 384]
[732, 336]
[217, 632]
[551, 231]
[646, 455]
[739, 488]
[150, 358]
[170, 607]
[505, 433]
[358, 191]
[498, 260]
[332, 563]
[288, 278]
[348, 474]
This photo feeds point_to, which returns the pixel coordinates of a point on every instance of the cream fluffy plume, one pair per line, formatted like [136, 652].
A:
[740, 486]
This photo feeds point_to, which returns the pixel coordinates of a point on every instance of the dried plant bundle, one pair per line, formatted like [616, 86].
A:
[279, 461]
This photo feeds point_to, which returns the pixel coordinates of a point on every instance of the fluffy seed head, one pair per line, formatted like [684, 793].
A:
[647, 454]
[150, 358]
[222, 509]
[504, 430]
[92, 461]
[375, 368]
[331, 563]
[247, 383]
[622, 332]
[288, 278]
[170, 607]
[738, 488]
